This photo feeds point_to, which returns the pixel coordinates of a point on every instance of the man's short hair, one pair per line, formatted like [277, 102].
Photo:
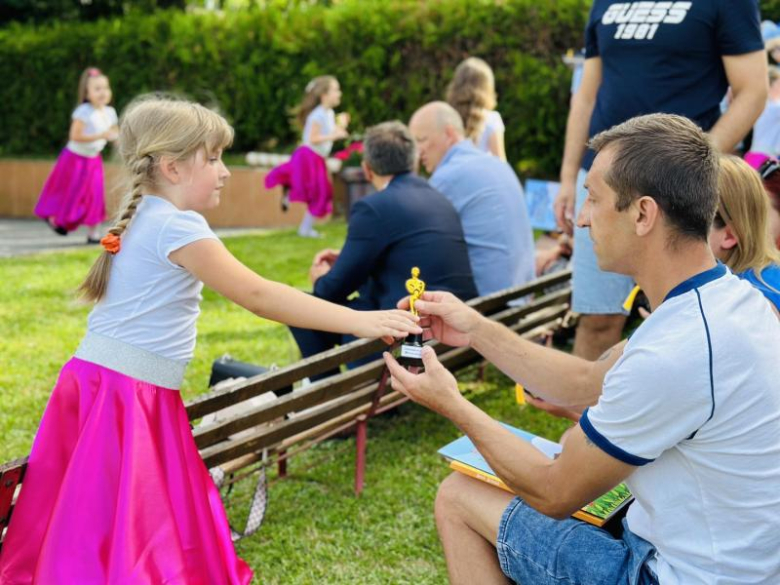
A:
[389, 149]
[670, 159]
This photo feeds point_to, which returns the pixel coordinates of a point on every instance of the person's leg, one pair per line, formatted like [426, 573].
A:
[468, 513]
[489, 536]
[597, 295]
[306, 229]
[596, 334]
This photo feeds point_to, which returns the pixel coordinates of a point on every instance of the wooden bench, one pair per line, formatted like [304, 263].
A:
[277, 429]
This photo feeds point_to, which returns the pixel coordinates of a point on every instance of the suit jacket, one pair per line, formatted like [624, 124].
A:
[406, 224]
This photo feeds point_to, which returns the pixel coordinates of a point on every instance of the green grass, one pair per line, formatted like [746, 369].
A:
[316, 530]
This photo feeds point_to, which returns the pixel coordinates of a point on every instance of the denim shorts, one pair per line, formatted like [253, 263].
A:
[534, 549]
[594, 292]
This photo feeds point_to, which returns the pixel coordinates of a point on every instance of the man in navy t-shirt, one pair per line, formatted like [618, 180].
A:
[643, 58]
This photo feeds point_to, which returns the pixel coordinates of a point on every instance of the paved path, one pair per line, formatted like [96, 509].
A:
[19, 237]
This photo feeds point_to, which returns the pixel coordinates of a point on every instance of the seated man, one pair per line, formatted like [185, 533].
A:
[406, 223]
[688, 415]
[485, 192]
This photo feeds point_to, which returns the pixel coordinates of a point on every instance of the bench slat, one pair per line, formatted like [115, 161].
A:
[225, 451]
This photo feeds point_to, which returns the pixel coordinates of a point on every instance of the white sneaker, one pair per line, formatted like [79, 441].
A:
[311, 233]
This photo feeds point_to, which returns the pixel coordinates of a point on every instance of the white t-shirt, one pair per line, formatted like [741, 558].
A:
[694, 402]
[766, 131]
[152, 303]
[326, 118]
[493, 124]
[95, 122]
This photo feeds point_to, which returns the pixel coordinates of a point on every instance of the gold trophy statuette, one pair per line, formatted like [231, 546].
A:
[411, 348]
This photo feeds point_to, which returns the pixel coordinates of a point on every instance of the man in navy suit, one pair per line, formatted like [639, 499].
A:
[406, 223]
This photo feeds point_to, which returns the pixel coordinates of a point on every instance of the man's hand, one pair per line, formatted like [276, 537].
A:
[553, 409]
[318, 270]
[448, 319]
[328, 255]
[564, 207]
[436, 388]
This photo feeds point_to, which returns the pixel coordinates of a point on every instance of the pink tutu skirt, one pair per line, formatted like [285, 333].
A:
[73, 193]
[116, 492]
[306, 176]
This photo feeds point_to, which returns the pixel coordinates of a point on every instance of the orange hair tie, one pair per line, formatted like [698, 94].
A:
[111, 243]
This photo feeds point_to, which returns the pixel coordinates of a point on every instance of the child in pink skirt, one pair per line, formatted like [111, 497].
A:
[115, 490]
[73, 194]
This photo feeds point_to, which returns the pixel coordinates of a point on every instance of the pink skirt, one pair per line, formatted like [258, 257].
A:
[73, 194]
[116, 492]
[306, 176]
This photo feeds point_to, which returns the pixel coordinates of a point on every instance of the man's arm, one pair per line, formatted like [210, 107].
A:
[365, 242]
[747, 76]
[577, 126]
[555, 376]
[557, 487]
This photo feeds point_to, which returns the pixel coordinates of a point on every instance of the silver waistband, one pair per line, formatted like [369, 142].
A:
[131, 361]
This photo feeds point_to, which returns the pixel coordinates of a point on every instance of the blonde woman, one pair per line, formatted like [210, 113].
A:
[472, 92]
[740, 235]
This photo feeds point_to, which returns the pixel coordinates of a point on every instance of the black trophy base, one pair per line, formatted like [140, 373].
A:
[411, 352]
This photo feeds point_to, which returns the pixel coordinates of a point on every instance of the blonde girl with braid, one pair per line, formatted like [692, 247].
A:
[472, 92]
[115, 490]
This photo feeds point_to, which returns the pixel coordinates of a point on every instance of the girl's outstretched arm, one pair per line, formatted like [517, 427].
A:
[218, 269]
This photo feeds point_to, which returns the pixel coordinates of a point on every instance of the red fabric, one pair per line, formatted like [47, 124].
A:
[306, 176]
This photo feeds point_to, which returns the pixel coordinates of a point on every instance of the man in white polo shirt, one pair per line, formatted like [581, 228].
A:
[687, 412]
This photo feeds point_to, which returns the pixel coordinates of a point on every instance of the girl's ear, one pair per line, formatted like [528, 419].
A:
[169, 169]
[730, 239]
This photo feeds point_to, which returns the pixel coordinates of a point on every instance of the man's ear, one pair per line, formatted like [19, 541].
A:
[647, 215]
[169, 169]
[367, 171]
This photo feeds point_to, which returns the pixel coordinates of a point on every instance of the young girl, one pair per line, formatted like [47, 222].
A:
[116, 491]
[321, 127]
[73, 193]
[472, 92]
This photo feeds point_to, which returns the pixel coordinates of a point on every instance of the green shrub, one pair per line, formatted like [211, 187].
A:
[390, 57]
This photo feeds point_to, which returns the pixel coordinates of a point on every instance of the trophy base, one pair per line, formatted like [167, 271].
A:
[411, 352]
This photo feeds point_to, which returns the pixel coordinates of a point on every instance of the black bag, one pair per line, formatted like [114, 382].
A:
[226, 367]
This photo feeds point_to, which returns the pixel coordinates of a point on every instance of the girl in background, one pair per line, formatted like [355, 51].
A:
[472, 92]
[74, 193]
[321, 127]
[116, 491]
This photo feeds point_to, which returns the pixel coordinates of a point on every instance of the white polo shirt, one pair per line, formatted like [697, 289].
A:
[694, 402]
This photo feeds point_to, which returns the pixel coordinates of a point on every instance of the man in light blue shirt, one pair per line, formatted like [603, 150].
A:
[486, 194]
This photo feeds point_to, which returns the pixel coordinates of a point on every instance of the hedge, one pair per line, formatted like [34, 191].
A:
[390, 56]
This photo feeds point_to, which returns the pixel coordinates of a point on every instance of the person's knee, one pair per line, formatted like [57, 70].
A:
[447, 504]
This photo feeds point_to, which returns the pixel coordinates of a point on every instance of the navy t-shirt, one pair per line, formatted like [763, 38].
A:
[666, 57]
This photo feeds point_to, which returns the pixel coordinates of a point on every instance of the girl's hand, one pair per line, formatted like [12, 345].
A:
[339, 133]
[387, 325]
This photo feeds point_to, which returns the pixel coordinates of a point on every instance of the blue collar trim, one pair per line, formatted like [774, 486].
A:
[697, 281]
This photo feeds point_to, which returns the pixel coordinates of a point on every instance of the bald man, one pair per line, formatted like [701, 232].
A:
[486, 194]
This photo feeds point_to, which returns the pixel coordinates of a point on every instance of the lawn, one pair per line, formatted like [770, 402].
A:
[315, 530]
